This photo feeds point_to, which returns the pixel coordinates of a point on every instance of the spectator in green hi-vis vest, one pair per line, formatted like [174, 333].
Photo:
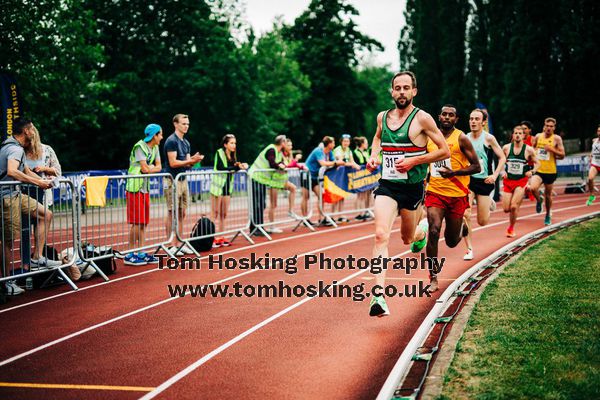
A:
[144, 159]
[221, 184]
[343, 153]
[361, 156]
[271, 158]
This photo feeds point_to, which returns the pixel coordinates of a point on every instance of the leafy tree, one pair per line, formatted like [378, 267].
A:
[282, 87]
[328, 41]
[51, 47]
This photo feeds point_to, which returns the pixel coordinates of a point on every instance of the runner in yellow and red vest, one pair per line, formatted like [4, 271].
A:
[447, 195]
[549, 147]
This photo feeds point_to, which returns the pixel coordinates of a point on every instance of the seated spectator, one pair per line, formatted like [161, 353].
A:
[14, 204]
[41, 159]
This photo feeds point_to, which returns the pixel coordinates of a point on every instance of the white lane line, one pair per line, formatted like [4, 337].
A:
[192, 367]
[70, 292]
[134, 312]
[252, 246]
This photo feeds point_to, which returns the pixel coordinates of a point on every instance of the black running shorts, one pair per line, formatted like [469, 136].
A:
[408, 196]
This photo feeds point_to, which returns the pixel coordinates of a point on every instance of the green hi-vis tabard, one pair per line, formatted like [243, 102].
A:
[219, 178]
[395, 146]
[134, 185]
[261, 162]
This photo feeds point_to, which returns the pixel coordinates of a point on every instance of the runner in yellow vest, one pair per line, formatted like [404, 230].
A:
[221, 184]
[144, 159]
[271, 159]
[447, 194]
[549, 148]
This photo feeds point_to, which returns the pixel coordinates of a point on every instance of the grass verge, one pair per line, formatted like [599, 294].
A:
[535, 334]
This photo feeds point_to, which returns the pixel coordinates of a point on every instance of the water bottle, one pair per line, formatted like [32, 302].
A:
[29, 283]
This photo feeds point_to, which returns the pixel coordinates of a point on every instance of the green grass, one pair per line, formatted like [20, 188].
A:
[535, 334]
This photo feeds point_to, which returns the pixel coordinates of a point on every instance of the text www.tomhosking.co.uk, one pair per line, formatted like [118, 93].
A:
[289, 265]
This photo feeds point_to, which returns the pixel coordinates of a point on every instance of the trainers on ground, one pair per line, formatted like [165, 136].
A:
[378, 307]
[274, 230]
[343, 219]
[360, 217]
[150, 259]
[12, 289]
[510, 232]
[590, 200]
[548, 220]
[218, 242]
[133, 259]
[174, 250]
[469, 255]
[325, 222]
[538, 205]
[43, 262]
[225, 242]
[433, 284]
[186, 249]
[417, 246]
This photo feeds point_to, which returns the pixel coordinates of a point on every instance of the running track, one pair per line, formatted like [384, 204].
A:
[127, 338]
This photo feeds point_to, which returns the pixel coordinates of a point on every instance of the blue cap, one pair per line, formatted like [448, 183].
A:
[346, 136]
[150, 131]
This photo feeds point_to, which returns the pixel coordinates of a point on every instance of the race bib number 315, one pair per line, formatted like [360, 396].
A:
[389, 167]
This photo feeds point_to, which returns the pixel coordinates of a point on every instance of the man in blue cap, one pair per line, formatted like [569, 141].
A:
[144, 159]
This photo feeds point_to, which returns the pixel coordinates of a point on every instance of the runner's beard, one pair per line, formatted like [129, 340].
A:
[403, 106]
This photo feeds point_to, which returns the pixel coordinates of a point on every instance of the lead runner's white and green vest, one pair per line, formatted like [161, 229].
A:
[395, 145]
[217, 182]
[261, 162]
[134, 185]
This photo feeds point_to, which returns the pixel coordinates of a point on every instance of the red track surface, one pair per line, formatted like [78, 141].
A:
[322, 348]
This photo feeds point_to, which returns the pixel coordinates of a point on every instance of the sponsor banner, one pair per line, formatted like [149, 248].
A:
[10, 104]
[341, 182]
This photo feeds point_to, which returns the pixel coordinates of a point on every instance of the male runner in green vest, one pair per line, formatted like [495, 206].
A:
[401, 137]
[144, 159]
[519, 156]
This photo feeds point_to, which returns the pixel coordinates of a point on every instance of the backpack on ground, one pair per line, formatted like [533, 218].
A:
[203, 227]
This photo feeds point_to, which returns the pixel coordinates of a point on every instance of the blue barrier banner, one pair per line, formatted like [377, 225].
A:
[340, 182]
[198, 184]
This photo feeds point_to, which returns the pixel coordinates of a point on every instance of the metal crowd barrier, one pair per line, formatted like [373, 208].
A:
[220, 196]
[34, 223]
[106, 227]
[279, 207]
[350, 206]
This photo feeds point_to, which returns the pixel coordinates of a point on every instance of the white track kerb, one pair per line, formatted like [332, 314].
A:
[403, 364]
